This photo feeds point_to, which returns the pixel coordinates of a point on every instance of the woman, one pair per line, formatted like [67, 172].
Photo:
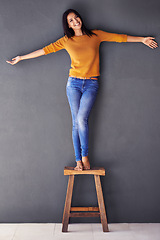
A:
[82, 45]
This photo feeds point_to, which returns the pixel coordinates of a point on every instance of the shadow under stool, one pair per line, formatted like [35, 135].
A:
[84, 211]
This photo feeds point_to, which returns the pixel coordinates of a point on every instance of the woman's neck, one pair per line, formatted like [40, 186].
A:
[78, 32]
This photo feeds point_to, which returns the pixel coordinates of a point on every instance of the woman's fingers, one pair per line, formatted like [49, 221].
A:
[11, 62]
[153, 44]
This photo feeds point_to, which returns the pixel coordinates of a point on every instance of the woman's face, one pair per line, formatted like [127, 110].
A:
[74, 21]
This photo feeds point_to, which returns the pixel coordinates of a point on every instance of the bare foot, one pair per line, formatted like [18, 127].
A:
[79, 166]
[86, 164]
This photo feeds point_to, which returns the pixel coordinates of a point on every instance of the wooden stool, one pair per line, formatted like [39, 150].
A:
[84, 211]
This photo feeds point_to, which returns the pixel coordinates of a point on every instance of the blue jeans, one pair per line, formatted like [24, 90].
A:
[81, 95]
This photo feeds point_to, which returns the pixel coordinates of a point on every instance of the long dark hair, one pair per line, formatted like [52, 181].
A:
[69, 31]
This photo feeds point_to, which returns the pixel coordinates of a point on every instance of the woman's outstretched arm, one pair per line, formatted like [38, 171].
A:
[146, 40]
[34, 54]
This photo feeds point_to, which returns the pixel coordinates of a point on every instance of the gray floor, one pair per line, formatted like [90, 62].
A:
[52, 231]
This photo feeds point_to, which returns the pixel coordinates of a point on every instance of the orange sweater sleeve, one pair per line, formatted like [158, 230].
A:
[111, 37]
[55, 46]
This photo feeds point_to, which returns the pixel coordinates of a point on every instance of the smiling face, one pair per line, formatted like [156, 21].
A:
[74, 21]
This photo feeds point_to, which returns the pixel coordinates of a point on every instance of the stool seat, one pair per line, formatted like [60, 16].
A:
[93, 171]
[84, 211]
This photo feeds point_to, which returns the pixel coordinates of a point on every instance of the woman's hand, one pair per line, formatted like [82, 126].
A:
[150, 42]
[14, 60]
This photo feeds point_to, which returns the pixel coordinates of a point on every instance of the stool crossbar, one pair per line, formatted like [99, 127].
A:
[84, 211]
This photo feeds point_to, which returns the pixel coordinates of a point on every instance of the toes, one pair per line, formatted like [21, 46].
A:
[78, 168]
[87, 168]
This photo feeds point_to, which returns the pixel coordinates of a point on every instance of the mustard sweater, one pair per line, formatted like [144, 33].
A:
[84, 51]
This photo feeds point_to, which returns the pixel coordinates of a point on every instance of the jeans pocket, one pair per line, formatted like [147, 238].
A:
[70, 79]
[94, 81]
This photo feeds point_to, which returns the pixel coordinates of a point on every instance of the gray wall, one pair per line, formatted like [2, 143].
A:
[35, 119]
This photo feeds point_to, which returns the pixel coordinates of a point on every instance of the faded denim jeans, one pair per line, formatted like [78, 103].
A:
[81, 95]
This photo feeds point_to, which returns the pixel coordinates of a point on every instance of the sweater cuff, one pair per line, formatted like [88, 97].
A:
[124, 38]
[45, 51]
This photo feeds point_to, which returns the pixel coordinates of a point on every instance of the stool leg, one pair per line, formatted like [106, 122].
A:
[67, 206]
[101, 203]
